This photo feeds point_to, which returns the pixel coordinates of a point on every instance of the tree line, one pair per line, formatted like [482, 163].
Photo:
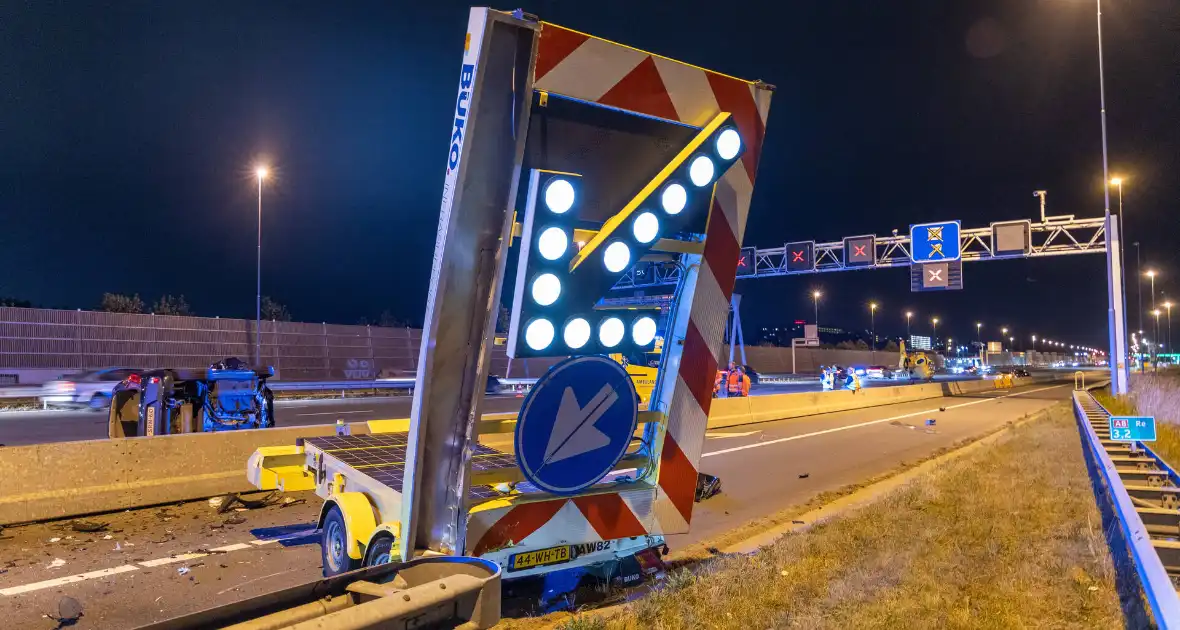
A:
[177, 305]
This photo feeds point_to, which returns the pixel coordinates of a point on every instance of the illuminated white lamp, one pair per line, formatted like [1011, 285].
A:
[610, 332]
[552, 243]
[674, 198]
[700, 171]
[616, 257]
[576, 333]
[728, 144]
[559, 196]
[643, 331]
[539, 334]
[546, 289]
[646, 227]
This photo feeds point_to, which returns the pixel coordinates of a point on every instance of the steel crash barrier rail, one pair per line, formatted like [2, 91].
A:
[1140, 491]
[431, 592]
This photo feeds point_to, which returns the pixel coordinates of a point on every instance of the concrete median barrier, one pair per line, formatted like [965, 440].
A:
[69, 479]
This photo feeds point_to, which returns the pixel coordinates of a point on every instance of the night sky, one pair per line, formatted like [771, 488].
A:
[128, 131]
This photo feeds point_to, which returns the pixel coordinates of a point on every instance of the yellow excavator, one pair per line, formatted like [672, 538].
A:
[915, 364]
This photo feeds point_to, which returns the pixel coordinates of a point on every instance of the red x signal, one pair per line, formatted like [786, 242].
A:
[859, 250]
[797, 256]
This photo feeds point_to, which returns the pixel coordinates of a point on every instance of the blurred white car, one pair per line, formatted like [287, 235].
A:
[84, 390]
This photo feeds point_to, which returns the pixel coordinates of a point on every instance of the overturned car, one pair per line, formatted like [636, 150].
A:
[228, 395]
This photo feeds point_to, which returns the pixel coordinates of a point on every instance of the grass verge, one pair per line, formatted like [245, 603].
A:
[1005, 537]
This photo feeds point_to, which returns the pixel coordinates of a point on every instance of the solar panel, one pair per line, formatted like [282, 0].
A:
[382, 456]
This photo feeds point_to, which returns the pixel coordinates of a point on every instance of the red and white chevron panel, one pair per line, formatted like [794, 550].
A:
[588, 68]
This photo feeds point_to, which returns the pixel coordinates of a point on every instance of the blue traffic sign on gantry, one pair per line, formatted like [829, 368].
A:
[935, 242]
[576, 423]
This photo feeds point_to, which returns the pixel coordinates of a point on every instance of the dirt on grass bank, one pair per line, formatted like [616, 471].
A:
[1005, 537]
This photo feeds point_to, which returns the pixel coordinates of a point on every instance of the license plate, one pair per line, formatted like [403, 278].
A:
[539, 558]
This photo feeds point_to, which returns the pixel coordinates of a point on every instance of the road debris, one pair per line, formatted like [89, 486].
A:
[107, 537]
[183, 570]
[931, 422]
[88, 526]
[804, 475]
[288, 502]
[707, 486]
[57, 562]
[69, 611]
[231, 501]
[234, 520]
[55, 539]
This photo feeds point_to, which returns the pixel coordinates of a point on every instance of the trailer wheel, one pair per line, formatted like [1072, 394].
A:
[380, 552]
[334, 545]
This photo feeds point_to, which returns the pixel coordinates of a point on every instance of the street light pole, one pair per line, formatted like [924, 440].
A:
[1139, 281]
[1168, 305]
[1116, 303]
[934, 337]
[815, 296]
[1151, 274]
[261, 172]
[908, 316]
[873, 329]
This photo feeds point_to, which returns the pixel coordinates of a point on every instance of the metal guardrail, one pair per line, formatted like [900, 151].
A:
[1144, 493]
[34, 391]
[315, 386]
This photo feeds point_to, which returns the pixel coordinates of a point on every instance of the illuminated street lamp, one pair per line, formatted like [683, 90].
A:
[815, 295]
[978, 335]
[908, 316]
[934, 322]
[261, 172]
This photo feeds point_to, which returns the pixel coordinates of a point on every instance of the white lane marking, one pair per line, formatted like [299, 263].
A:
[334, 413]
[869, 423]
[36, 586]
[170, 559]
[729, 435]
[228, 548]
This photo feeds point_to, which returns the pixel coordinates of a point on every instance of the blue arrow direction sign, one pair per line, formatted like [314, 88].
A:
[935, 242]
[576, 423]
[1132, 428]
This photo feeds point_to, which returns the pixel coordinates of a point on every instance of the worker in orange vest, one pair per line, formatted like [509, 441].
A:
[717, 383]
[735, 381]
[745, 383]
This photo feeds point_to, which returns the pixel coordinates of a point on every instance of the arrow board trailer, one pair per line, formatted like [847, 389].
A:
[594, 156]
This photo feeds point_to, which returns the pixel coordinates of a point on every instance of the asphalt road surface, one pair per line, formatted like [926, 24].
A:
[138, 571]
[54, 425]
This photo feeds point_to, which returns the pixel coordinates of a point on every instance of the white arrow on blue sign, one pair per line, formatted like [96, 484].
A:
[576, 424]
[935, 242]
